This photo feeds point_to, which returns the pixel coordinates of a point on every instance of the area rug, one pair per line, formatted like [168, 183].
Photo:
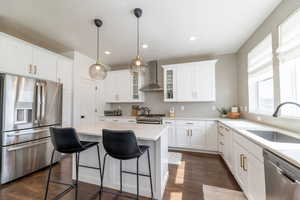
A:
[174, 158]
[217, 193]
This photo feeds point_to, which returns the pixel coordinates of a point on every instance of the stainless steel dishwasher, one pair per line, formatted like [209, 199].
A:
[282, 178]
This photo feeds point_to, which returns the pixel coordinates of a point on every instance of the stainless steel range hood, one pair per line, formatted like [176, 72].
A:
[153, 86]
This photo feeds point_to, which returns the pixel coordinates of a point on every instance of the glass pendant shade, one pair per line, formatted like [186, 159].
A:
[98, 71]
[137, 65]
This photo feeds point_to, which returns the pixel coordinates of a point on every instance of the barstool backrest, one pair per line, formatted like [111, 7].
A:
[120, 144]
[64, 139]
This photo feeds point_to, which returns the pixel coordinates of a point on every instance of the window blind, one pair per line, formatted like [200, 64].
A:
[289, 34]
[261, 56]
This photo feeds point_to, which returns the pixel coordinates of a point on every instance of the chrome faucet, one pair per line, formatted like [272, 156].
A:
[282, 104]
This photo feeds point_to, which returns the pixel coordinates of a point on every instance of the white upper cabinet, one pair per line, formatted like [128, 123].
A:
[122, 86]
[44, 64]
[15, 56]
[190, 82]
[22, 58]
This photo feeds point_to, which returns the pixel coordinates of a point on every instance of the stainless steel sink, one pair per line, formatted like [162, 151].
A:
[273, 136]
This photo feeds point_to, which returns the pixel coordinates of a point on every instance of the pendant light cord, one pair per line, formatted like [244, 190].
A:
[97, 44]
[138, 37]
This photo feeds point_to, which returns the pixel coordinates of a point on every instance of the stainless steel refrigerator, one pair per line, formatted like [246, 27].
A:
[28, 107]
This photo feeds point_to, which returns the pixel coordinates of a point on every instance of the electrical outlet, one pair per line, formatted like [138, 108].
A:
[182, 108]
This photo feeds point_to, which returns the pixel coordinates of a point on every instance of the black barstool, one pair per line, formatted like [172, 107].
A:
[122, 145]
[65, 140]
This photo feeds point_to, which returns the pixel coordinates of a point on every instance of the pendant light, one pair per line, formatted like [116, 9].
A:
[137, 64]
[99, 70]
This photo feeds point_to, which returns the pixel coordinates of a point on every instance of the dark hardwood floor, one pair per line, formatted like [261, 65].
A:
[185, 181]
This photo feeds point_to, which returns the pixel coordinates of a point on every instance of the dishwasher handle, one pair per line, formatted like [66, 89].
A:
[284, 174]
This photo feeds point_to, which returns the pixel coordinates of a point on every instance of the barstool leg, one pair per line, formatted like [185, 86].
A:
[102, 177]
[99, 162]
[121, 178]
[49, 175]
[137, 179]
[149, 164]
[77, 172]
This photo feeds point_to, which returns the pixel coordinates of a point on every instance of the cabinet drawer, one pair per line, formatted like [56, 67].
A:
[188, 123]
[252, 148]
[169, 122]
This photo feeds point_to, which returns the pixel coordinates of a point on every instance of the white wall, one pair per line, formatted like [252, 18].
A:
[80, 72]
[270, 25]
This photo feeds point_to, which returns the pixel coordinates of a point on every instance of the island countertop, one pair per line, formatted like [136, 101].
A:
[142, 131]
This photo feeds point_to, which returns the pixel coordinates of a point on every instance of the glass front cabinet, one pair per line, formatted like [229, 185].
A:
[169, 83]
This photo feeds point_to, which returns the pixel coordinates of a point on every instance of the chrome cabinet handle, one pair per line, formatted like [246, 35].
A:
[187, 132]
[191, 132]
[35, 69]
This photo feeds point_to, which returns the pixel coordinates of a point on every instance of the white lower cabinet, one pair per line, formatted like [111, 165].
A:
[172, 138]
[193, 135]
[244, 159]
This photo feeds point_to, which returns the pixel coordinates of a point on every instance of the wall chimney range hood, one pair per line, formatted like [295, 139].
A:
[153, 86]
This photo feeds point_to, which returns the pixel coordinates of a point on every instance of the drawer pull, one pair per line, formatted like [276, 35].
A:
[245, 168]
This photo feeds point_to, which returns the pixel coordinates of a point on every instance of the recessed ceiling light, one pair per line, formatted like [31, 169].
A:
[192, 38]
[107, 52]
[145, 46]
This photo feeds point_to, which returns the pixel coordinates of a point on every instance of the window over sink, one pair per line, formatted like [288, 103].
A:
[260, 77]
[289, 57]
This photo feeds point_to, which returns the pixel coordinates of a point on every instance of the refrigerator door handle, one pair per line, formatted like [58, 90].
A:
[43, 101]
[38, 101]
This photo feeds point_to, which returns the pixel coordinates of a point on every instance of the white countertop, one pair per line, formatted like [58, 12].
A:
[288, 151]
[142, 131]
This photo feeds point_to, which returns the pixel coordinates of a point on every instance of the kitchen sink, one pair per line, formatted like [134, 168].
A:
[274, 136]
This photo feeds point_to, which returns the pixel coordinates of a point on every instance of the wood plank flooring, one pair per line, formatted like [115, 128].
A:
[185, 181]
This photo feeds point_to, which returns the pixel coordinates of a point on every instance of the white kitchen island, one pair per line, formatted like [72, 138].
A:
[154, 136]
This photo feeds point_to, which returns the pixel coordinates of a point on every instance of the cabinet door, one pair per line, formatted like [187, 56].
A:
[110, 93]
[172, 141]
[170, 84]
[182, 134]
[204, 81]
[45, 64]
[198, 136]
[228, 153]
[123, 85]
[240, 173]
[211, 136]
[256, 178]
[185, 82]
[15, 56]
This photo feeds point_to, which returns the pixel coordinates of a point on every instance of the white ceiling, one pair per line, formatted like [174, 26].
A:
[221, 26]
